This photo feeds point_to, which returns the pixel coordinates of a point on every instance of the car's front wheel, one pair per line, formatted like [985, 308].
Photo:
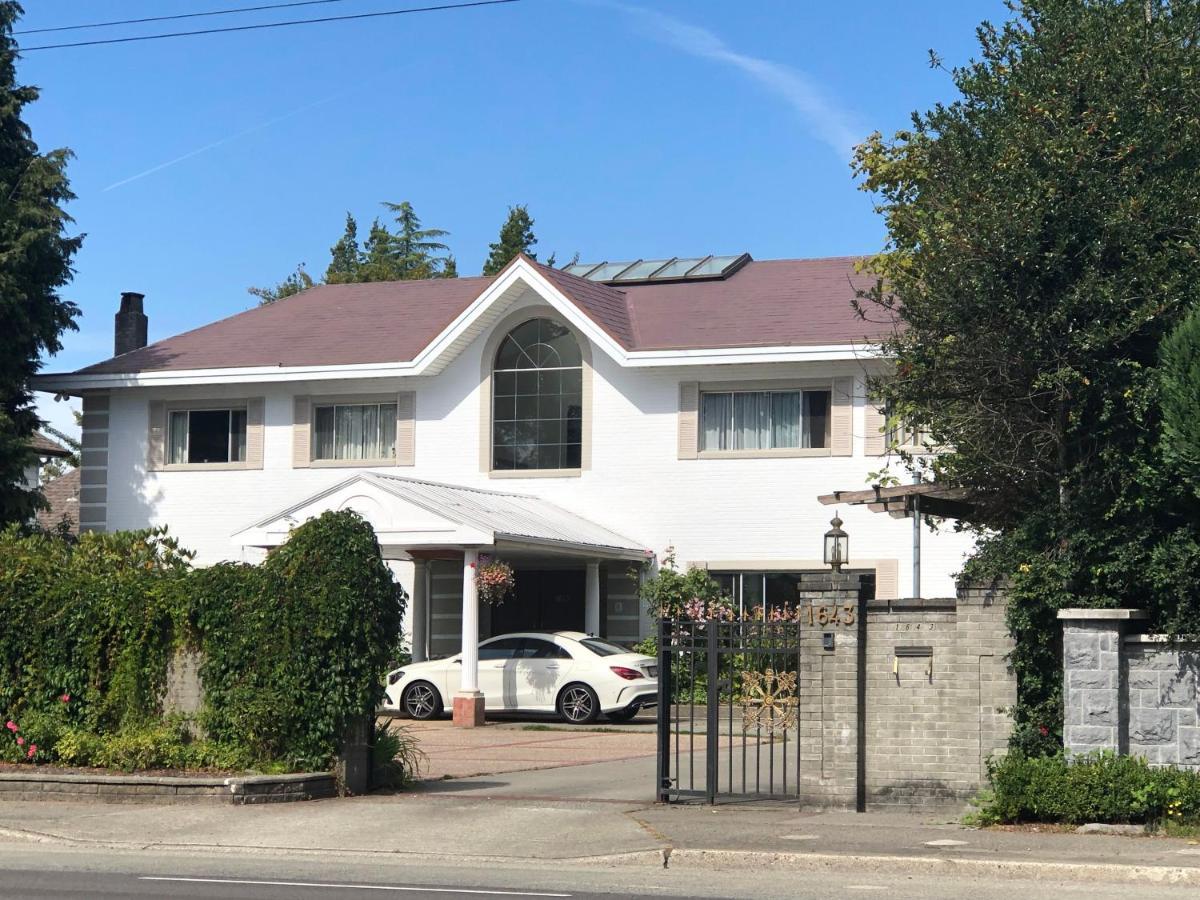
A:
[421, 700]
[578, 704]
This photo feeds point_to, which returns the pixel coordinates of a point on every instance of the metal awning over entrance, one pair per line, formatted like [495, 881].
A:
[412, 515]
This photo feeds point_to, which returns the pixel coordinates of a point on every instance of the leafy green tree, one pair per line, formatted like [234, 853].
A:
[516, 236]
[35, 262]
[1042, 240]
[1181, 395]
[344, 255]
[298, 281]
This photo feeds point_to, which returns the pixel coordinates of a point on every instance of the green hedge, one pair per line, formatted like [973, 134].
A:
[1098, 787]
[293, 649]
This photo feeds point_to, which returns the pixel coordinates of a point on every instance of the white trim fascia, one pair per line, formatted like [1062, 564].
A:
[426, 362]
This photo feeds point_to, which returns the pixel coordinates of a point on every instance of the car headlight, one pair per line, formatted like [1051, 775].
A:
[393, 677]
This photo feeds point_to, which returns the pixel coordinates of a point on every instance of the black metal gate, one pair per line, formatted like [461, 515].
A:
[728, 710]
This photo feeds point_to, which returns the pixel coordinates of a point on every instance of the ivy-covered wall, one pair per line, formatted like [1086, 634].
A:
[293, 649]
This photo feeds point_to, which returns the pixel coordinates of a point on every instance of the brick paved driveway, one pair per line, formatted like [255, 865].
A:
[514, 747]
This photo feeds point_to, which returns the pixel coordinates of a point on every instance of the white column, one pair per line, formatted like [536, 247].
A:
[591, 601]
[470, 624]
[420, 610]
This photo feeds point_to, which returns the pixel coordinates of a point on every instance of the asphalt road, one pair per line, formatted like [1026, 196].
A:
[46, 870]
[85, 884]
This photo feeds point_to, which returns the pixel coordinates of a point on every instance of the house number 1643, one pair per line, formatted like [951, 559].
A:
[831, 615]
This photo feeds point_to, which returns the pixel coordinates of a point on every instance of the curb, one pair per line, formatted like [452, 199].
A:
[237, 789]
[675, 858]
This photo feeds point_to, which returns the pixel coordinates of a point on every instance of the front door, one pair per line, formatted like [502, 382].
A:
[544, 600]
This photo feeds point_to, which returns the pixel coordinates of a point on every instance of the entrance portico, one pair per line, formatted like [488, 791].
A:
[566, 566]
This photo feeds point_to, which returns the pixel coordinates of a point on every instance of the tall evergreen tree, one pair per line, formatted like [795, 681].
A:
[35, 261]
[344, 255]
[416, 250]
[516, 236]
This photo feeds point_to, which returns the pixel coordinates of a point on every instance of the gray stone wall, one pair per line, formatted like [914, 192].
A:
[1162, 700]
[1129, 692]
[934, 684]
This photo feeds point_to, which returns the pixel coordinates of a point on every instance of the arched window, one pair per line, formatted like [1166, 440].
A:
[537, 398]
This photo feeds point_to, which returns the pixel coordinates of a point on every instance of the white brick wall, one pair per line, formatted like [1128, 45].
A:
[708, 509]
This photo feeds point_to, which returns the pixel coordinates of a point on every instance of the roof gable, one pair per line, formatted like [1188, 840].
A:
[416, 327]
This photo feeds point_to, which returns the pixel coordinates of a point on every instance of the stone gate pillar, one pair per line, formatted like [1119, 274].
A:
[1095, 708]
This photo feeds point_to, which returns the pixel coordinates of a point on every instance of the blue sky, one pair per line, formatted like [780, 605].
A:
[631, 129]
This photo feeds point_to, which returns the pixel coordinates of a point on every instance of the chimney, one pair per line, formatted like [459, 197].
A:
[130, 331]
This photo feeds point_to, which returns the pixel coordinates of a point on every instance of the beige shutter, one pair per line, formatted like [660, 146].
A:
[841, 442]
[254, 432]
[689, 419]
[887, 579]
[874, 430]
[301, 440]
[156, 440]
[406, 409]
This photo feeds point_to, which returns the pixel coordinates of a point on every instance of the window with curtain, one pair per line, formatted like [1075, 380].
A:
[206, 436]
[354, 431]
[537, 399]
[764, 420]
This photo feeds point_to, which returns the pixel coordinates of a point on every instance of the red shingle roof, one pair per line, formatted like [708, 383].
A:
[62, 493]
[44, 446]
[769, 303]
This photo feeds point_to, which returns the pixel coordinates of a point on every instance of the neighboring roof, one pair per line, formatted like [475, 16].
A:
[774, 303]
[62, 493]
[44, 446]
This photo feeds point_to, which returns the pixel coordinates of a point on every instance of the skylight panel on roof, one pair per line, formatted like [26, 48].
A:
[608, 271]
[648, 271]
[714, 265]
[580, 269]
[643, 269]
[679, 267]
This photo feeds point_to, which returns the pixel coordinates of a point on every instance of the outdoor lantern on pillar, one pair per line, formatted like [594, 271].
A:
[837, 545]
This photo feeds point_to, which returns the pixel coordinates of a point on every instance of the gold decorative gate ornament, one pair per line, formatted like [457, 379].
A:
[769, 700]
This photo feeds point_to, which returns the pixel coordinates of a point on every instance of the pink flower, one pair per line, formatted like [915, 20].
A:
[65, 698]
[11, 726]
[32, 750]
[20, 742]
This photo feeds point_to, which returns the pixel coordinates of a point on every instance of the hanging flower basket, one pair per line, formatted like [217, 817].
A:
[495, 582]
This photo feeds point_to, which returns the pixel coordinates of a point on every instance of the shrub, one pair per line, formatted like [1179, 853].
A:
[396, 757]
[1098, 787]
[294, 649]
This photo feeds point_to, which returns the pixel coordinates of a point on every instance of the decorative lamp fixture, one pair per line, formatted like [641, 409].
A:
[837, 545]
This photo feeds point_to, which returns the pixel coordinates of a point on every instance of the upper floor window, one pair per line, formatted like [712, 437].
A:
[537, 398]
[207, 436]
[354, 431]
[764, 420]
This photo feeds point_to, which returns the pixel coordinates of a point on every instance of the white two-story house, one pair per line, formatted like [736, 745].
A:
[576, 423]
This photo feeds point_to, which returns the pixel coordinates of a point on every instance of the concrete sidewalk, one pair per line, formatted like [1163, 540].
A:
[494, 820]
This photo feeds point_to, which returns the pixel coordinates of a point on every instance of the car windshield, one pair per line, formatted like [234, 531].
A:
[603, 648]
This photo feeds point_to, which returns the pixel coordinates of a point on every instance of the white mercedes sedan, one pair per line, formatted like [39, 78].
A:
[565, 672]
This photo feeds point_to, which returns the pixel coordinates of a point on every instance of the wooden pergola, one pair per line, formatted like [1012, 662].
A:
[909, 501]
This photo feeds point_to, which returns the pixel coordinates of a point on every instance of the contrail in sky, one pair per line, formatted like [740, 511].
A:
[831, 123]
[225, 140]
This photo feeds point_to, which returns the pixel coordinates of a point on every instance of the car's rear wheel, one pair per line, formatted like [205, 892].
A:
[421, 700]
[578, 704]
